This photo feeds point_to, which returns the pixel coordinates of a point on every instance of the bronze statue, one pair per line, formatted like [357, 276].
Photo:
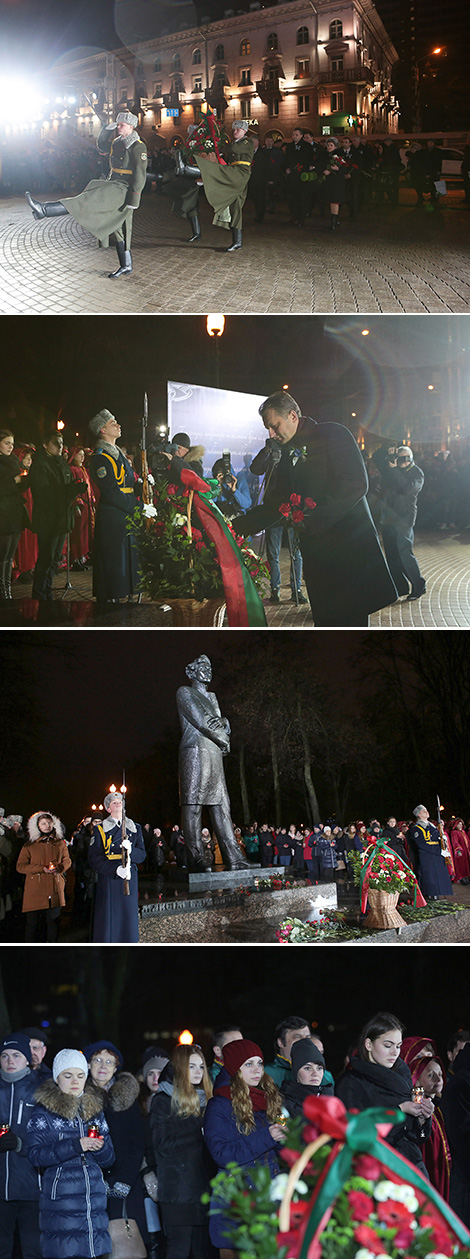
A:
[205, 740]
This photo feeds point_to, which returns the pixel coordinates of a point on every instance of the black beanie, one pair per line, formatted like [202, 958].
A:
[304, 1051]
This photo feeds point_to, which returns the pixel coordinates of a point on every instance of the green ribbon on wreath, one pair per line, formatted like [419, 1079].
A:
[382, 846]
[359, 1134]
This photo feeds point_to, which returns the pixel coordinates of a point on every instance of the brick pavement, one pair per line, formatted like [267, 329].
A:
[403, 261]
[444, 560]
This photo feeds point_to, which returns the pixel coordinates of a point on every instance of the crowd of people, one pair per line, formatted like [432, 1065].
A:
[85, 1142]
[44, 869]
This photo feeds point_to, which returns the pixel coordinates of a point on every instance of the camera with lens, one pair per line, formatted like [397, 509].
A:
[159, 449]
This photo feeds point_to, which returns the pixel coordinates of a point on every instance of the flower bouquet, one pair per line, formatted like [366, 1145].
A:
[207, 139]
[348, 1195]
[179, 560]
[296, 511]
[382, 876]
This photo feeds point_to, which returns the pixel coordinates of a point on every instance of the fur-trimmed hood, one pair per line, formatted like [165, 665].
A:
[65, 1105]
[195, 454]
[33, 829]
[123, 1092]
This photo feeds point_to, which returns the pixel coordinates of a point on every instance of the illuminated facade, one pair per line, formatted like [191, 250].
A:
[326, 66]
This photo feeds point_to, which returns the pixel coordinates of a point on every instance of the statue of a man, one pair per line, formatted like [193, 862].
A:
[205, 740]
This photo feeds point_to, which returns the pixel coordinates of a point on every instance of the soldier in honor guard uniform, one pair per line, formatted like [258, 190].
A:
[226, 186]
[433, 877]
[114, 556]
[105, 207]
[116, 916]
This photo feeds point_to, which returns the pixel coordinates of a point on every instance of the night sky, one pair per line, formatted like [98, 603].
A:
[79, 365]
[167, 989]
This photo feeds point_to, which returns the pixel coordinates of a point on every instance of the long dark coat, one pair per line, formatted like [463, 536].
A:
[116, 916]
[226, 186]
[114, 555]
[126, 1129]
[184, 1168]
[365, 1085]
[434, 878]
[54, 493]
[344, 568]
[13, 515]
[72, 1203]
[205, 739]
[105, 207]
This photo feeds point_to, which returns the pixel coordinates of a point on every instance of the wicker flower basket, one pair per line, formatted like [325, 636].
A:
[190, 612]
[383, 911]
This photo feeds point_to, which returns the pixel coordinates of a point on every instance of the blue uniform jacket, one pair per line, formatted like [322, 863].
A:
[114, 555]
[18, 1180]
[434, 877]
[116, 916]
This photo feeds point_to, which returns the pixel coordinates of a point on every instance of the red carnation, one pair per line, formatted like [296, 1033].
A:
[284, 509]
[310, 503]
[296, 500]
[172, 489]
[361, 1205]
[403, 1238]
[366, 1237]
[297, 516]
[200, 545]
[368, 1167]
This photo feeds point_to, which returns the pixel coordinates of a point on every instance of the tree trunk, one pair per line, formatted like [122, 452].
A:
[276, 783]
[311, 793]
[243, 783]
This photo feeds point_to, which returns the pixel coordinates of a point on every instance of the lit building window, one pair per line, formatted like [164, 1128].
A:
[245, 48]
[272, 42]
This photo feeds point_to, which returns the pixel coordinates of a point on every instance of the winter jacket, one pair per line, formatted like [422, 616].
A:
[126, 1129]
[54, 493]
[366, 1084]
[227, 1145]
[184, 1169]
[72, 1205]
[455, 1106]
[18, 1180]
[43, 889]
[13, 516]
[294, 1094]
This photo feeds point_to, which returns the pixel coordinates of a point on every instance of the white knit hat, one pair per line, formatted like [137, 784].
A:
[68, 1058]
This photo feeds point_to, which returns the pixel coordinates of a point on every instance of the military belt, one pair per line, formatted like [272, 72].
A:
[240, 163]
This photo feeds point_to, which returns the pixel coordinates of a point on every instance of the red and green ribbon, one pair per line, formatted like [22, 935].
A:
[382, 846]
[357, 1134]
[244, 606]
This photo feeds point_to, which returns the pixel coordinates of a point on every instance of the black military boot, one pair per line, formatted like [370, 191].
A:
[334, 223]
[125, 261]
[183, 169]
[45, 209]
[196, 226]
[5, 573]
[236, 240]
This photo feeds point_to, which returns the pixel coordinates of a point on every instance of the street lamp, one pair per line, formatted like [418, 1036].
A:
[435, 52]
[215, 325]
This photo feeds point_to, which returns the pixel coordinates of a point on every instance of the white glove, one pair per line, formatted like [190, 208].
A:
[127, 844]
[151, 479]
[122, 873]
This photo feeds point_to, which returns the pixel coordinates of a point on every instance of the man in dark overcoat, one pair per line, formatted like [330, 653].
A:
[344, 569]
[106, 207]
[114, 555]
[55, 495]
[456, 1111]
[298, 160]
[433, 875]
[116, 914]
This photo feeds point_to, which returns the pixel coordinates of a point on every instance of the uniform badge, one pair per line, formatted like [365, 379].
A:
[144, 157]
[101, 472]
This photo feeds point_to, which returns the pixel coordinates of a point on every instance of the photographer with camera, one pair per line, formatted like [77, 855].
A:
[231, 499]
[402, 481]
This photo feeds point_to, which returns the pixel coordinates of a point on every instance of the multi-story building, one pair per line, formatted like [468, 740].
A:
[325, 65]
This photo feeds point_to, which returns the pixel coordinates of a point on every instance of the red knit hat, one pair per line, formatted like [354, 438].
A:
[237, 1052]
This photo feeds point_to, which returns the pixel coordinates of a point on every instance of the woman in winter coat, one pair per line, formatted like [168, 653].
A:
[332, 167]
[81, 537]
[307, 1078]
[118, 1091]
[155, 1059]
[27, 549]
[184, 1169]
[377, 1076]
[427, 1072]
[460, 849]
[13, 517]
[44, 859]
[240, 1123]
[72, 1203]
[326, 853]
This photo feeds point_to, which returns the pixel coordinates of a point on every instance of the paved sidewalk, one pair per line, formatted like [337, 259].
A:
[388, 261]
[444, 561]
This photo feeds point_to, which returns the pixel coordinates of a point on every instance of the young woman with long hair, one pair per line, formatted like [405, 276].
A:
[377, 1076]
[241, 1124]
[44, 860]
[184, 1169]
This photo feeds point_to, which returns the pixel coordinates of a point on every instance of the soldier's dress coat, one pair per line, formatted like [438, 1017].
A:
[226, 186]
[106, 206]
[114, 554]
[433, 877]
[205, 738]
[116, 916]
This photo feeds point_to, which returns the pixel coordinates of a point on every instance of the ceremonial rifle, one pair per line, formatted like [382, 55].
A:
[442, 835]
[146, 497]
[125, 855]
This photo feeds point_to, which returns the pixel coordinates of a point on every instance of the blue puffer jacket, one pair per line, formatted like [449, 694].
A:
[72, 1203]
[18, 1180]
[227, 1145]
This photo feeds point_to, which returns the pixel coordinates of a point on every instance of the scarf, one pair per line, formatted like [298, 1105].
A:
[258, 1097]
